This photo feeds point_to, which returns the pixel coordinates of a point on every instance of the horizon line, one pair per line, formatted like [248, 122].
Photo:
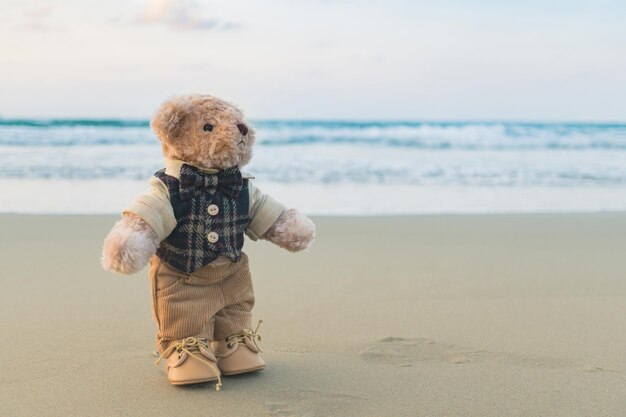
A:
[528, 121]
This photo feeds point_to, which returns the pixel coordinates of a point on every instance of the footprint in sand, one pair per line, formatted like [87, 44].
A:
[288, 349]
[308, 403]
[400, 351]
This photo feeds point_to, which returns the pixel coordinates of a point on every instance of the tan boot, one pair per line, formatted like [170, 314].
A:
[239, 353]
[191, 361]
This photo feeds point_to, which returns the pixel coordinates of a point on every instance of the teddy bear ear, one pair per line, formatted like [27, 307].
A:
[168, 120]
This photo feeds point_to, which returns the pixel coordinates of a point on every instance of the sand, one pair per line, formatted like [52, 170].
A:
[494, 315]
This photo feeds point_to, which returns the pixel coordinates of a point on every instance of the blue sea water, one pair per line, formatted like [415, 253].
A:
[359, 154]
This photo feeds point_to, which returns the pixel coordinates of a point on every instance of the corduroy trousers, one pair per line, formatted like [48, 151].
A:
[214, 302]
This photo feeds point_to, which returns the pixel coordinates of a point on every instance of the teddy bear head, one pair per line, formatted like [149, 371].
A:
[203, 131]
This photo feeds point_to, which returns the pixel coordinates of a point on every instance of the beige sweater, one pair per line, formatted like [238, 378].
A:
[155, 208]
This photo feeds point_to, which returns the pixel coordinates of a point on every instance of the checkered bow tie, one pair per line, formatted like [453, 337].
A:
[194, 181]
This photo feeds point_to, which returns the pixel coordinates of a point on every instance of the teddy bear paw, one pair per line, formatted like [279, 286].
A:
[292, 231]
[129, 246]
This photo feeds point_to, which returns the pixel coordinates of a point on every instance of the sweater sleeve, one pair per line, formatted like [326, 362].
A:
[264, 211]
[155, 209]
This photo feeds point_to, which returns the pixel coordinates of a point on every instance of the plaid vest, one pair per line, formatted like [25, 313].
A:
[211, 212]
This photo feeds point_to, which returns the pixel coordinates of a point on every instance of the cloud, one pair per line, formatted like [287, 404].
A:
[37, 18]
[41, 11]
[181, 15]
[38, 26]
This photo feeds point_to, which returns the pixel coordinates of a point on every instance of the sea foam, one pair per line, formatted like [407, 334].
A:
[335, 167]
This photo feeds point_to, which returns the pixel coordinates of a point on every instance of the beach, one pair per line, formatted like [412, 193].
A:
[448, 315]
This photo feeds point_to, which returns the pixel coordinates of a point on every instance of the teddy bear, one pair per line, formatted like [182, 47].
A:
[190, 227]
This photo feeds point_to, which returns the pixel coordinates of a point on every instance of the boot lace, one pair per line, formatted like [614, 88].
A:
[191, 346]
[246, 336]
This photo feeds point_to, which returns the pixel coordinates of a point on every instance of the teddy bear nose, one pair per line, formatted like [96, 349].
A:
[242, 128]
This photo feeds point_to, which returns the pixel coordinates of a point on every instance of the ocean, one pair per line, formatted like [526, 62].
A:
[333, 167]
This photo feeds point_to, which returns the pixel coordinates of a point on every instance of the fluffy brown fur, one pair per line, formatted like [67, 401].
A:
[179, 125]
[292, 231]
[129, 245]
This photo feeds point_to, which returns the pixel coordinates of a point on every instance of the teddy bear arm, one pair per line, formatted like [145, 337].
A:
[292, 231]
[272, 221]
[147, 221]
[129, 245]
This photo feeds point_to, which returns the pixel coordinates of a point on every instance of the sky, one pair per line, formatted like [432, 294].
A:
[319, 59]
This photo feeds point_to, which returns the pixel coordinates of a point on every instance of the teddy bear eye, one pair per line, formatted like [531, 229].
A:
[207, 127]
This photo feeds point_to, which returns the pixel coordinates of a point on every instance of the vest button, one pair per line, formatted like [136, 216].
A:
[213, 209]
[212, 237]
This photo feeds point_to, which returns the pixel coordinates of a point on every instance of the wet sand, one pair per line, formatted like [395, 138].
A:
[493, 315]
